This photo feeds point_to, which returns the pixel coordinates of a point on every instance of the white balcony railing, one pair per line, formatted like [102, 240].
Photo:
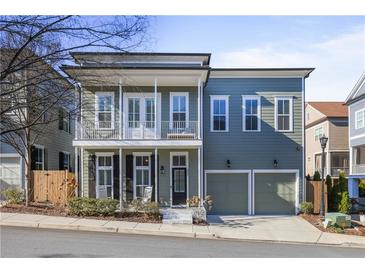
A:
[139, 130]
[358, 169]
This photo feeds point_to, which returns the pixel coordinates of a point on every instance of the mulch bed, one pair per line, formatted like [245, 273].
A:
[315, 220]
[50, 210]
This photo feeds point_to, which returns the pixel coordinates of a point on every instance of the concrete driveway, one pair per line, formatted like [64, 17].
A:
[271, 228]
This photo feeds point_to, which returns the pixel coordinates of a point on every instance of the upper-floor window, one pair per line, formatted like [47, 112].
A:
[179, 109]
[219, 113]
[251, 113]
[38, 157]
[360, 119]
[64, 119]
[105, 110]
[318, 133]
[284, 114]
[134, 112]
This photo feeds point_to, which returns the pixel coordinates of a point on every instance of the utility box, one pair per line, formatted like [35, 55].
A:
[340, 219]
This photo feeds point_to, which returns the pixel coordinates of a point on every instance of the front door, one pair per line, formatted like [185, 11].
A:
[179, 192]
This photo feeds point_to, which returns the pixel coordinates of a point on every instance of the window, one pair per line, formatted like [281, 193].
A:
[219, 113]
[251, 113]
[38, 158]
[360, 119]
[104, 176]
[150, 112]
[105, 110]
[142, 174]
[284, 113]
[179, 109]
[64, 160]
[64, 119]
[133, 112]
[318, 133]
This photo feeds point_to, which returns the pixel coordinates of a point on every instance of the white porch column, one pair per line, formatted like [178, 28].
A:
[77, 168]
[120, 108]
[199, 176]
[199, 108]
[156, 176]
[77, 113]
[120, 178]
[155, 108]
[81, 112]
[82, 171]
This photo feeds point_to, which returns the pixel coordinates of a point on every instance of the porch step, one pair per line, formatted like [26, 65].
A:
[177, 216]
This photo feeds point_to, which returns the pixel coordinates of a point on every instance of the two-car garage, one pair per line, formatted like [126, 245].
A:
[253, 192]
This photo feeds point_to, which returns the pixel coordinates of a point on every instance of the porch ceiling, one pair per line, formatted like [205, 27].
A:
[136, 77]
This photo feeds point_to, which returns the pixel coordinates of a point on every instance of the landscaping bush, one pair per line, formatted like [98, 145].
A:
[149, 208]
[345, 204]
[306, 207]
[335, 196]
[13, 195]
[308, 177]
[193, 202]
[317, 176]
[82, 206]
[208, 203]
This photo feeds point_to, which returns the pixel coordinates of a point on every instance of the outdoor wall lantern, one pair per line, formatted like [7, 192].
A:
[228, 163]
[276, 163]
[162, 170]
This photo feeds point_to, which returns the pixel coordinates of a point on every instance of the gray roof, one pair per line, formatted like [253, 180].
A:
[358, 91]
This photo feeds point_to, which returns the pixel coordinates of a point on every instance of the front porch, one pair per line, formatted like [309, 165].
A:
[123, 174]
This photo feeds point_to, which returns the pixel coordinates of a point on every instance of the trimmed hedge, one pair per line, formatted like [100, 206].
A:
[306, 207]
[82, 206]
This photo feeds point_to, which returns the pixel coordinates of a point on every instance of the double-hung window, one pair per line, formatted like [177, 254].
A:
[38, 158]
[251, 110]
[219, 113]
[179, 109]
[318, 133]
[360, 119]
[105, 110]
[284, 113]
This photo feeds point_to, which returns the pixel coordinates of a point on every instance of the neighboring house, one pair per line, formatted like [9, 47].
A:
[52, 149]
[329, 119]
[170, 121]
[356, 106]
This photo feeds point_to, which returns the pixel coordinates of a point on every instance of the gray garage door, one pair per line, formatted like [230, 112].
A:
[229, 192]
[274, 193]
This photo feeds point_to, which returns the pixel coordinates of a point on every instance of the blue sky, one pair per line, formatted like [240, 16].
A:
[334, 45]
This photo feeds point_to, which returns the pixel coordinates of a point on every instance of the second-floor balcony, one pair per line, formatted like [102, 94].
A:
[165, 130]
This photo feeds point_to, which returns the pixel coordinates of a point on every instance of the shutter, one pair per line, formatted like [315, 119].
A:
[92, 176]
[116, 176]
[153, 183]
[61, 158]
[129, 177]
[60, 118]
[69, 122]
[70, 164]
[45, 159]
[32, 156]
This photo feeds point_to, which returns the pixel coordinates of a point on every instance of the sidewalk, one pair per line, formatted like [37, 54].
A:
[256, 229]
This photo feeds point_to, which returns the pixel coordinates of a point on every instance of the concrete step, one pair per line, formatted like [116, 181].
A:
[178, 216]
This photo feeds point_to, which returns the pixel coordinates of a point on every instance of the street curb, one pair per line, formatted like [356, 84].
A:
[162, 233]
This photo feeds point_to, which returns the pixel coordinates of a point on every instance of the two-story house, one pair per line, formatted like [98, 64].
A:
[356, 106]
[329, 119]
[170, 121]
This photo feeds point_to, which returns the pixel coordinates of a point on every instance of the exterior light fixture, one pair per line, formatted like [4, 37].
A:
[275, 163]
[162, 170]
[228, 163]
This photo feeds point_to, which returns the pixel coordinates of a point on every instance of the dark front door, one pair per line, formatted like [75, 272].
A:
[179, 186]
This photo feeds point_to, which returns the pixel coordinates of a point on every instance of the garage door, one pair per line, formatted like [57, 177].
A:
[274, 193]
[229, 193]
[10, 173]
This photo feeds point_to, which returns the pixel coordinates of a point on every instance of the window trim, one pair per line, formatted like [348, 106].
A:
[244, 99]
[101, 94]
[172, 94]
[291, 113]
[135, 168]
[219, 97]
[319, 136]
[98, 168]
[356, 113]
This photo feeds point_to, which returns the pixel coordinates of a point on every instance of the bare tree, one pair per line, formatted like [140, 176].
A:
[32, 88]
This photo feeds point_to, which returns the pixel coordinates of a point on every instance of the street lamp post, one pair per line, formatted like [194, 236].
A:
[323, 140]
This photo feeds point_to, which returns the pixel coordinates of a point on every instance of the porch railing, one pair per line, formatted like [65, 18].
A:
[166, 130]
[358, 169]
[335, 171]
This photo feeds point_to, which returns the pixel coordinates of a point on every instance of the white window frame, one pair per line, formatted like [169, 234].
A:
[290, 99]
[104, 94]
[212, 99]
[244, 99]
[359, 112]
[149, 168]
[179, 153]
[98, 168]
[318, 136]
[42, 148]
[186, 95]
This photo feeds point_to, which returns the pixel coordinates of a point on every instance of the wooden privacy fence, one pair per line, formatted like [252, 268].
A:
[55, 186]
[313, 194]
